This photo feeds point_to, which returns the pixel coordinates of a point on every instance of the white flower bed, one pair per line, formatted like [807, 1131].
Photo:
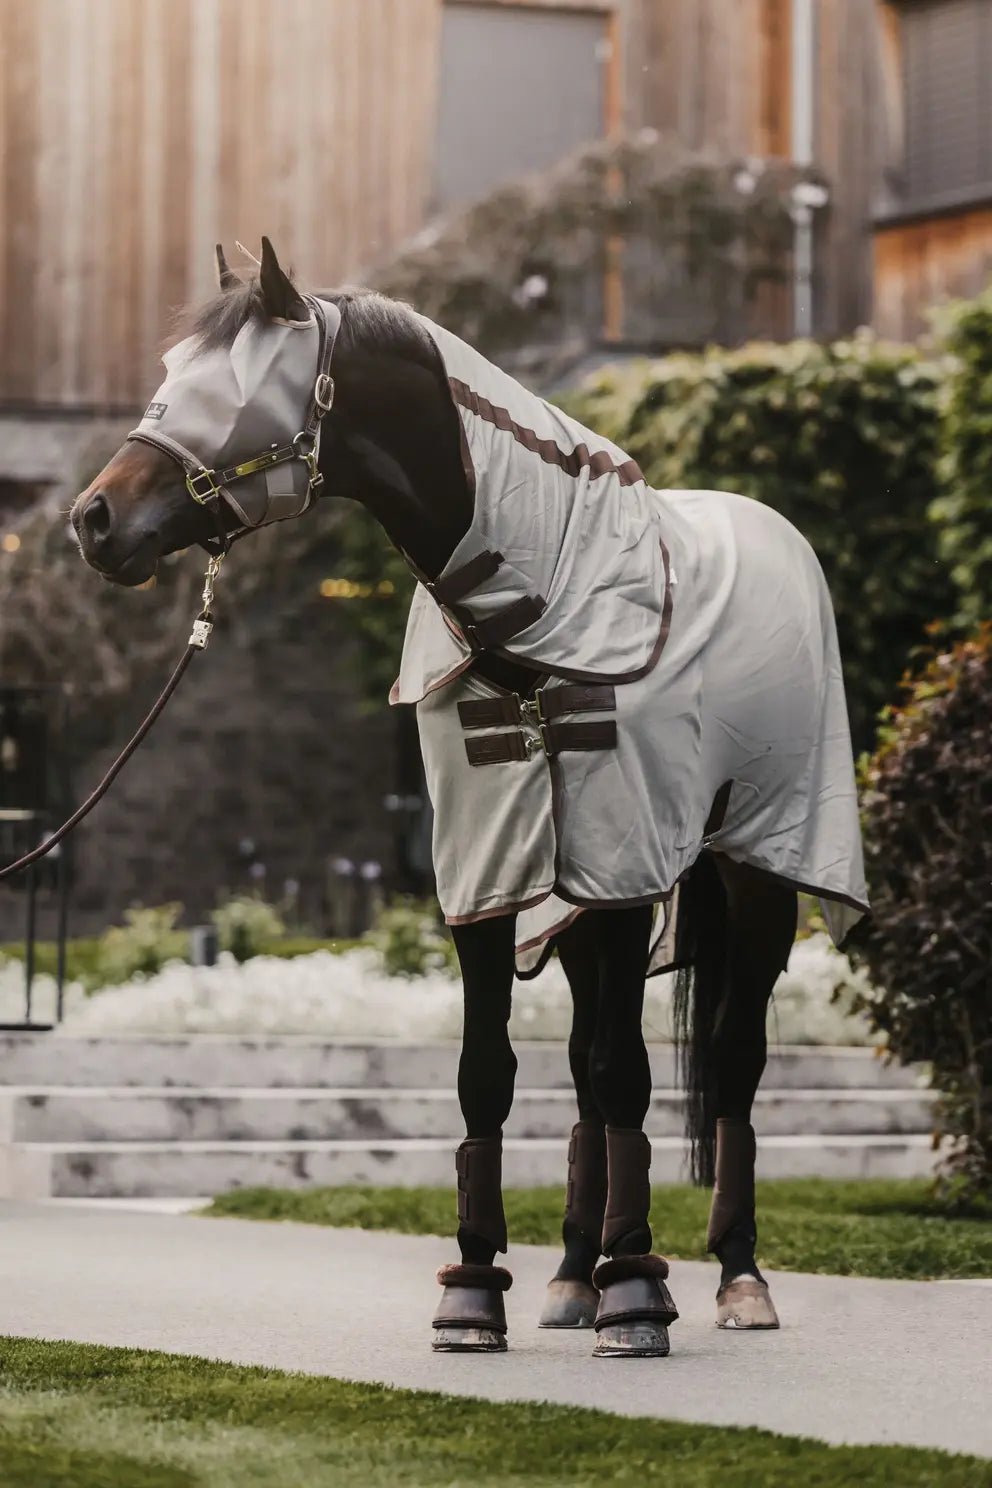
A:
[348, 996]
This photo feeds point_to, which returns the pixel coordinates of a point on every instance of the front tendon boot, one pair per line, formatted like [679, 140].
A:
[471, 1317]
[743, 1300]
[572, 1299]
[635, 1305]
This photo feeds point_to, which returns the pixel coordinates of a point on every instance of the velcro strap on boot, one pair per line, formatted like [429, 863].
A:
[628, 1158]
[733, 1191]
[585, 1195]
[479, 1170]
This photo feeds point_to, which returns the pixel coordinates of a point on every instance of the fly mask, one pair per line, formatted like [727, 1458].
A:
[230, 418]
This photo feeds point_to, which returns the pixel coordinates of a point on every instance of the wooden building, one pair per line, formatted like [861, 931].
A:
[134, 134]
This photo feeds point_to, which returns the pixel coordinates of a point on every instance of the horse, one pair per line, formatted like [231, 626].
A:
[700, 621]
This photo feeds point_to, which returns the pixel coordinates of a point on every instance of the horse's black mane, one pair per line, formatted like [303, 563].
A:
[368, 319]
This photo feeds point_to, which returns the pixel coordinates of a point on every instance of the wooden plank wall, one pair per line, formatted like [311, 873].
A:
[136, 133]
[918, 264]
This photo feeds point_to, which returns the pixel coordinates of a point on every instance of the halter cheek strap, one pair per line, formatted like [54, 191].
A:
[209, 487]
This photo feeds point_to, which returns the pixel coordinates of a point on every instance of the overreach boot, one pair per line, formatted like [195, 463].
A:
[635, 1306]
[471, 1317]
[743, 1299]
[571, 1301]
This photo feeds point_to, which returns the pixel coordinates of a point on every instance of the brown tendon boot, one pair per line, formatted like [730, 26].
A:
[635, 1305]
[743, 1300]
[471, 1317]
[571, 1299]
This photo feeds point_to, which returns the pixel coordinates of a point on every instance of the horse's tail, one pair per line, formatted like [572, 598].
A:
[701, 953]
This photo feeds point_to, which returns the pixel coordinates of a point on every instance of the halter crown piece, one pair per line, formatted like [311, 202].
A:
[219, 405]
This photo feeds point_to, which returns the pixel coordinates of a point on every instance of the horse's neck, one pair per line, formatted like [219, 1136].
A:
[398, 429]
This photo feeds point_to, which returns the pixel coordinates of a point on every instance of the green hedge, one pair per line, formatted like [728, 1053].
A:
[927, 820]
[840, 439]
[963, 512]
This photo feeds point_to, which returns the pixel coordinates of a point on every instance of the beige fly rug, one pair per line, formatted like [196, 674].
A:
[691, 692]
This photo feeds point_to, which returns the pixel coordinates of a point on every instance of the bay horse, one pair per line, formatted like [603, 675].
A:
[701, 622]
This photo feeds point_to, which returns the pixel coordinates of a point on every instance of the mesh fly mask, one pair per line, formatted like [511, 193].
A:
[230, 418]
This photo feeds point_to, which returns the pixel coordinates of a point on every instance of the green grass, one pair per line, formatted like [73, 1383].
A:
[885, 1229]
[79, 1416]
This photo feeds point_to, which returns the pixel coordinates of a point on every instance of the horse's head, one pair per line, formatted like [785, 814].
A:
[229, 442]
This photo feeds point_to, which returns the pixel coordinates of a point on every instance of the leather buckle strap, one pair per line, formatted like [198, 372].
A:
[483, 635]
[552, 739]
[451, 588]
[575, 697]
[547, 704]
[489, 712]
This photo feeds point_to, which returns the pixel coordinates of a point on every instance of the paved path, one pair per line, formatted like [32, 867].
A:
[856, 1361]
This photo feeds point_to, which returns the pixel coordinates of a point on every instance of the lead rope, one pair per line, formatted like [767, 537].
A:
[199, 637]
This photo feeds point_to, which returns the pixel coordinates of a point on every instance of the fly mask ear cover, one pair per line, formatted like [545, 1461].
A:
[248, 416]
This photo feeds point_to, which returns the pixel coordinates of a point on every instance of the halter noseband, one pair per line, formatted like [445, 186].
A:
[208, 487]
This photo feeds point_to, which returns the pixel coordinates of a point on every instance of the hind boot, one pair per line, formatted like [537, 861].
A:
[743, 1299]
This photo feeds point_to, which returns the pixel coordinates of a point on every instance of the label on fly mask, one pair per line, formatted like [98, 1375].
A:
[154, 410]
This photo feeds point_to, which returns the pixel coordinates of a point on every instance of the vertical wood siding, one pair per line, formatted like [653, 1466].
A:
[918, 264]
[134, 134]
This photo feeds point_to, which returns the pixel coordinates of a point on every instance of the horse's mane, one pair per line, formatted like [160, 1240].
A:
[368, 319]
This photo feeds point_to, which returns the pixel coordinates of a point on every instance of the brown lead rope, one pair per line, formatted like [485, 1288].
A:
[197, 642]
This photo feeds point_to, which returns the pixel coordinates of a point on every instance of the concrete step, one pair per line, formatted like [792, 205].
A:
[206, 1061]
[95, 1114]
[158, 1170]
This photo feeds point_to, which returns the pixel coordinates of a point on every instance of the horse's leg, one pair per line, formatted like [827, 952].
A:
[635, 1307]
[572, 1299]
[471, 1316]
[761, 927]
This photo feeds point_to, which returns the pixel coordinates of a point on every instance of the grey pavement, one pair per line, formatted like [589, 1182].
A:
[855, 1360]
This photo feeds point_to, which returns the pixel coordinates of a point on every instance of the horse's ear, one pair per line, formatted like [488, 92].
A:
[281, 300]
[226, 277]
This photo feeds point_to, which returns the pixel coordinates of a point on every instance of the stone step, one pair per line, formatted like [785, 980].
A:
[158, 1170]
[202, 1061]
[93, 1115]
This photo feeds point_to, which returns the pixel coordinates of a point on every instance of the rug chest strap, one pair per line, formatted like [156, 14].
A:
[484, 635]
[550, 703]
[554, 738]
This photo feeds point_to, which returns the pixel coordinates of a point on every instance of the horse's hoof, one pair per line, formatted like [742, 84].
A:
[635, 1308]
[569, 1304]
[745, 1303]
[633, 1340]
[468, 1341]
[471, 1316]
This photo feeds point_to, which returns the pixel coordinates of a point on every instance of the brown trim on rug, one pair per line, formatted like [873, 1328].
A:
[598, 463]
[504, 909]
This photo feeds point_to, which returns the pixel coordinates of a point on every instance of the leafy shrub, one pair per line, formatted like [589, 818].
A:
[842, 440]
[244, 923]
[410, 941]
[963, 513]
[141, 946]
[928, 841]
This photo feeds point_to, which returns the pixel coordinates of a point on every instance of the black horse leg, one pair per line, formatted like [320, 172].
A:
[635, 1306]
[761, 927]
[571, 1299]
[471, 1315]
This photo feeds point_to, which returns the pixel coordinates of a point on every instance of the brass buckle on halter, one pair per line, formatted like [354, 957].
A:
[212, 491]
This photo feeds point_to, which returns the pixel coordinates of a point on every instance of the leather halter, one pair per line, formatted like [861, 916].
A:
[209, 487]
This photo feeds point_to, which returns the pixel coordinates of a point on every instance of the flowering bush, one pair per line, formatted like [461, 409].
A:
[146, 942]
[411, 942]
[244, 924]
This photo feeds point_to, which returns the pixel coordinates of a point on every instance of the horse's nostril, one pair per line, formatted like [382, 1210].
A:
[96, 517]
